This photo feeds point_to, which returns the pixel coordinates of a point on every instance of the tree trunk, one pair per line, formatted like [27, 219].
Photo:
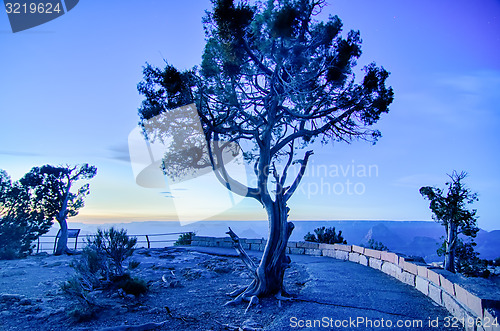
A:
[449, 258]
[62, 241]
[268, 275]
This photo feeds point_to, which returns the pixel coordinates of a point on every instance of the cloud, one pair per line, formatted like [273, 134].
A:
[119, 152]
[18, 153]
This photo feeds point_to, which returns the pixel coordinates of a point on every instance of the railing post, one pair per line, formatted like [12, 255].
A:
[38, 245]
[147, 238]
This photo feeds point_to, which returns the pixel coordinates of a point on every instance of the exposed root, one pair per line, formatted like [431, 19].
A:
[238, 291]
[253, 301]
[280, 297]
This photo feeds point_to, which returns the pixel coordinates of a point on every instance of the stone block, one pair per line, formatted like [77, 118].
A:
[390, 269]
[306, 244]
[474, 303]
[329, 253]
[354, 257]
[341, 247]
[254, 241]
[410, 267]
[358, 249]
[341, 255]
[389, 257]
[435, 294]
[375, 263]
[407, 278]
[422, 271]
[297, 250]
[201, 238]
[447, 285]
[372, 253]
[313, 251]
[401, 261]
[291, 244]
[422, 284]
[326, 246]
[452, 305]
[363, 260]
[433, 277]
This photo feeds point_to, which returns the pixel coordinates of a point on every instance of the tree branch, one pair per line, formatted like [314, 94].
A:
[297, 180]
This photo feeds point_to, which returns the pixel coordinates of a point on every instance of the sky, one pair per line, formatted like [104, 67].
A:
[68, 95]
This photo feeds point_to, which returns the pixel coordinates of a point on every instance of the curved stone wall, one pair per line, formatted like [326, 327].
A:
[468, 308]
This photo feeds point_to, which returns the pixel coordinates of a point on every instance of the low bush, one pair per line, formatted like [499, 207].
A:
[131, 285]
[325, 236]
[373, 244]
[185, 239]
[100, 266]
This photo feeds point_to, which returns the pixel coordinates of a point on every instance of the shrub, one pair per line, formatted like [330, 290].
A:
[100, 267]
[115, 245]
[185, 239]
[130, 285]
[373, 244]
[326, 236]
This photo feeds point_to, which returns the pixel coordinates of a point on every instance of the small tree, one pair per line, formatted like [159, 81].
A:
[378, 245]
[22, 220]
[326, 236]
[451, 211]
[51, 186]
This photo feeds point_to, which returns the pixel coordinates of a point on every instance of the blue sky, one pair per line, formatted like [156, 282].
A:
[68, 95]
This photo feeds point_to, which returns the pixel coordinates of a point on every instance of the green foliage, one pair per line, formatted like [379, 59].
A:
[185, 239]
[51, 185]
[130, 285]
[21, 219]
[467, 261]
[451, 211]
[373, 244]
[326, 236]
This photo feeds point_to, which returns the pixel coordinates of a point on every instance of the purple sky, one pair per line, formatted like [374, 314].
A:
[69, 96]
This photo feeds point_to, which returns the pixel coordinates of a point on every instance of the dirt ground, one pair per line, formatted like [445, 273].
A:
[187, 290]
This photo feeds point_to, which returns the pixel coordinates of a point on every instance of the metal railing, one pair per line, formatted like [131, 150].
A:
[148, 241]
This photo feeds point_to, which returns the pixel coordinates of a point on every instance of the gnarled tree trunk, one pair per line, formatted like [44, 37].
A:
[451, 238]
[268, 275]
[62, 242]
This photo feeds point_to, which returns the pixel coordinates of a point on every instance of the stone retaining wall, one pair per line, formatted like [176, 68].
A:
[431, 281]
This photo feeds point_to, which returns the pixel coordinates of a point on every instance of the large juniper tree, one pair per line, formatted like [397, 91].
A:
[52, 186]
[272, 80]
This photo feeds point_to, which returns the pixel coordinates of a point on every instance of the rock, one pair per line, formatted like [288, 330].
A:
[25, 302]
[251, 325]
[11, 298]
[166, 256]
[6, 313]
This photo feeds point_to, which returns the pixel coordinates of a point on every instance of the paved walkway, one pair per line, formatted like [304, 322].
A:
[342, 295]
